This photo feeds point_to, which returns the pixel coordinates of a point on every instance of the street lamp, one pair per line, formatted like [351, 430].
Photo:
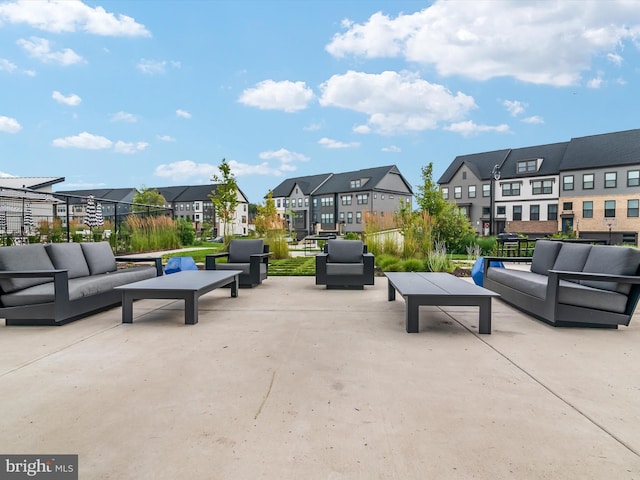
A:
[495, 176]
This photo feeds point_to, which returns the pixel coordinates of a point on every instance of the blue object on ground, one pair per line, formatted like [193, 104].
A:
[179, 264]
[477, 270]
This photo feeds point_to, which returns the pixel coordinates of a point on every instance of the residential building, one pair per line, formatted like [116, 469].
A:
[339, 202]
[589, 186]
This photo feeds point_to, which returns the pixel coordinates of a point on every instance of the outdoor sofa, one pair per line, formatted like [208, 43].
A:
[571, 284]
[61, 282]
[345, 264]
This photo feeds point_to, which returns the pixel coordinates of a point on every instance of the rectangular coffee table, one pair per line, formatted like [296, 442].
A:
[186, 285]
[425, 288]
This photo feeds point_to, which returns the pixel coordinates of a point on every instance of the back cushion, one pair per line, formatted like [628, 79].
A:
[68, 256]
[544, 256]
[572, 257]
[24, 257]
[240, 251]
[99, 257]
[345, 251]
[613, 260]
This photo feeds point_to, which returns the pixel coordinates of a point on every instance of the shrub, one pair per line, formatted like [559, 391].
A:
[412, 265]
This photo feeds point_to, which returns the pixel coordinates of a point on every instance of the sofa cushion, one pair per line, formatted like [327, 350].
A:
[531, 283]
[242, 266]
[345, 269]
[614, 261]
[99, 257]
[24, 257]
[544, 256]
[572, 257]
[572, 293]
[241, 250]
[345, 251]
[68, 256]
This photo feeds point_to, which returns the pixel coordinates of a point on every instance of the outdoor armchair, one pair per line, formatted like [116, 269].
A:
[345, 264]
[250, 256]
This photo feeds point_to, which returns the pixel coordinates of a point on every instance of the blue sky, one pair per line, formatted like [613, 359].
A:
[156, 93]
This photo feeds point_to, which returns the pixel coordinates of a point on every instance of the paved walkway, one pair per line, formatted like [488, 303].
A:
[292, 381]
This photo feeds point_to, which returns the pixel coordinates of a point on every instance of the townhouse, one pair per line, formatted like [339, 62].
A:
[588, 186]
[339, 202]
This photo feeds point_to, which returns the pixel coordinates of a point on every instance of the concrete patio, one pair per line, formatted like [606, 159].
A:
[291, 381]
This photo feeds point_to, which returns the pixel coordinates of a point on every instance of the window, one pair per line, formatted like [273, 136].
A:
[196, 206]
[355, 184]
[445, 193]
[326, 202]
[299, 202]
[567, 206]
[358, 217]
[362, 198]
[346, 199]
[609, 208]
[341, 216]
[278, 203]
[486, 211]
[501, 210]
[587, 181]
[472, 191]
[540, 187]
[633, 178]
[382, 196]
[552, 211]
[486, 190]
[534, 212]
[632, 208]
[587, 209]
[315, 202]
[526, 166]
[610, 179]
[517, 212]
[457, 192]
[306, 201]
[349, 217]
[511, 189]
[464, 175]
[567, 182]
[326, 218]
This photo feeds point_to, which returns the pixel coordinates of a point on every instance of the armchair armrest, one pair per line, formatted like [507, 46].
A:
[599, 277]
[60, 280]
[157, 261]
[210, 260]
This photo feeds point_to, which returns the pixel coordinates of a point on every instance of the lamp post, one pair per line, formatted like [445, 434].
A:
[495, 176]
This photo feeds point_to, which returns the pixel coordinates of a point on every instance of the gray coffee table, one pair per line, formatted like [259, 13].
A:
[186, 285]
[424, 288]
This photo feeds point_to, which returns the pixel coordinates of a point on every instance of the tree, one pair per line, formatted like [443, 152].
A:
[270, 225]
[450, 225]
[225, 198]
[147, 196]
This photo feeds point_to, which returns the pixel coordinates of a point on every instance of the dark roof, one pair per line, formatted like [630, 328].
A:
[609, 149]
[341, 182]
[307, 184]
[551, 158]
[481, 164]
[113, 194]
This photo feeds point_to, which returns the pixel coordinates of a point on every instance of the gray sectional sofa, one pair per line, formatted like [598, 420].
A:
[571, 284]
[61, 282]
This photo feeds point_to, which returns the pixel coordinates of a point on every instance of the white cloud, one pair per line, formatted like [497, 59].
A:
[7, 66]
[595, 82]
[473, 41]
[470, 128]
[395, 102]
[240, 169]
[65, 16]
[40, 49]
[183, 113]
[166, 138]
[615, 58]
[391, 149]
[72, 100]
[124, 117]
[514, 107]
[269, 95]
[155, 67]
[535, 119]
[9, 125]
[284, 156]
[129, 147]
[185, 170]
[330, 143]
[362, 129]
[84, 140]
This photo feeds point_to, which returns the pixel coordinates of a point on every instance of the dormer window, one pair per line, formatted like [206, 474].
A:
[355, 183]
[529, 166]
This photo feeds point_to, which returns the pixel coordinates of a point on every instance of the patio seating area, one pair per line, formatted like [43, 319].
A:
[292, 381]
